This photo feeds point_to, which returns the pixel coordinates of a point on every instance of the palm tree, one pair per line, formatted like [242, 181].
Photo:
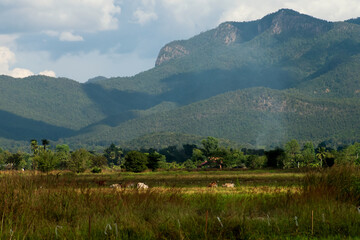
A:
[45, 142]
[321, 155]
[34, 146]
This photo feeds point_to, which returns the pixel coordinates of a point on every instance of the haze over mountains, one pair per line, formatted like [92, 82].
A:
[258, 83]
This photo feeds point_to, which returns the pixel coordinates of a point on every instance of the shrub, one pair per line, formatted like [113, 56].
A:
[96, 170]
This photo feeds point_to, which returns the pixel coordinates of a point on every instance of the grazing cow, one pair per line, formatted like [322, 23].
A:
[115, 185]
[228, 185]
[142, 186]
[212, 184]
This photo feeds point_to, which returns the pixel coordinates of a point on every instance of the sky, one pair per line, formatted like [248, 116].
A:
[82, 39]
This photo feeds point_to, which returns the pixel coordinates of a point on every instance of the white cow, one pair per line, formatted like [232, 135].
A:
[115, 185]
[228, 185]
[142, 186]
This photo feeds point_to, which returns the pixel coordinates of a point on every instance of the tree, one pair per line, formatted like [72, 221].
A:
[353, 152]
[45, 142]
[308, 154]
[275, 158]
[198, 156]
[3, 158]
[154, 158]
[63, 155]
[98, 161]
[292, 151]
[34, 146]
[113, 155]
[79, 161]
[232, 158]
[135, 161]
[45, 161]
[321, 155]
[14, 160]
[210, 145]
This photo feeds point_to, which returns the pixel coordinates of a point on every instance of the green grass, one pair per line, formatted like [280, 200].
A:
[68, 206]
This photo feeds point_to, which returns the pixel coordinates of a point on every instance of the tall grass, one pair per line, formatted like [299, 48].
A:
[341, 183]
[62, 207]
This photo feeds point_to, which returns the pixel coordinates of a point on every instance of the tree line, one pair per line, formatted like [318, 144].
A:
[210, 154]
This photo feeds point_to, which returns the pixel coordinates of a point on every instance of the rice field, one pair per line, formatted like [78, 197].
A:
[264, 204]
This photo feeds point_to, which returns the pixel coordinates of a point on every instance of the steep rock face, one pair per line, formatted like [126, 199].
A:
[171, 51]
[227, 33]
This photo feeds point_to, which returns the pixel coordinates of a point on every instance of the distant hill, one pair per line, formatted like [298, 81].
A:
[259, 83]
[96, 79]
[253, 117]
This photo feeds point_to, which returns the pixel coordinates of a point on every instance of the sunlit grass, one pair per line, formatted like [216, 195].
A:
[62, 205]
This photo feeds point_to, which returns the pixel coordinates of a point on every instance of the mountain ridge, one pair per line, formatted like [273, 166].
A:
[287, 75]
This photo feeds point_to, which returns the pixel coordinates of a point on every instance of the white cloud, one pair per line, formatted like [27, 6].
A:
[20, 73]
[61, 16]
[145, 12]
[69, 37]
[331, 10]
[48, 73]
[191, 12]
[7, 58]
[143, 17]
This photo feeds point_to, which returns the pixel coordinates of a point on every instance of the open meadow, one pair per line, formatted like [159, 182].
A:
[263, 204]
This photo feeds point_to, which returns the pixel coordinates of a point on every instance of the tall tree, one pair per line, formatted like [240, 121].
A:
[79, 161]
[210, 145]
[113, 154]
[308, 153]
[321, 155]
[135, 161]
[292, 151]
[154, 158]
[45, 142]
[34, 146]
[45, 161]
[62, 152]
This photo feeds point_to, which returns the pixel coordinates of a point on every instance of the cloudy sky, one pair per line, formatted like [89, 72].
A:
[81, 39]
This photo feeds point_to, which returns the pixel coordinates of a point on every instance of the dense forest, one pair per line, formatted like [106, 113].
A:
[209, 155]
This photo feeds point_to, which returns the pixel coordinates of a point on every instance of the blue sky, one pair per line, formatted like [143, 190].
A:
[81, 39]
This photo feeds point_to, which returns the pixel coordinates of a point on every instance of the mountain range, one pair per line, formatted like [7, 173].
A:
[259, 84]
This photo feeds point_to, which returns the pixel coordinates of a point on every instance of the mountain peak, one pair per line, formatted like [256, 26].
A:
[288, 21]
[285, 23]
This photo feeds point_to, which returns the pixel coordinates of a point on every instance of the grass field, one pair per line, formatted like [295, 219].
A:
[264, 204]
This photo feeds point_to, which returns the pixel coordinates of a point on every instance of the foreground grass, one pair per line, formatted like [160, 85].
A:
[262, 206]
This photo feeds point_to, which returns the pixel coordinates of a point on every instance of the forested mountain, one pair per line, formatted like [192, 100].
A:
[257, 83]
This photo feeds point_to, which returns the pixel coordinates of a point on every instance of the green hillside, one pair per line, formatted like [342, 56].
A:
[259, 116]
[257, 83]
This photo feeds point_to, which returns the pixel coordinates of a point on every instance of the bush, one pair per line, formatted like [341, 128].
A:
[96, 170]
